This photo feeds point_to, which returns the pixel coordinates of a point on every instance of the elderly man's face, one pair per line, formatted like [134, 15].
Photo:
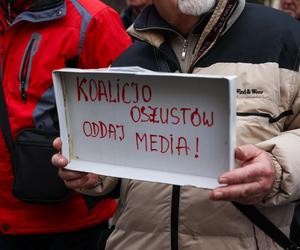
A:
[291, 7]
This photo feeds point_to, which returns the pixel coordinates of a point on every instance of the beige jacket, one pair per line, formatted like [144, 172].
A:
[154, 216]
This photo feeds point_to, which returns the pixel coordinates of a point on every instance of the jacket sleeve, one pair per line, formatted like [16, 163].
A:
[105, 186]
[285, 150]
[104, 41]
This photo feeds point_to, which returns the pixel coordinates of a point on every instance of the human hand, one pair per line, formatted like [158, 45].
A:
[72, 179]
[251, 182]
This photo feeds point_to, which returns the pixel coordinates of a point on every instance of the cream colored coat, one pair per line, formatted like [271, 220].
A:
[144, 213]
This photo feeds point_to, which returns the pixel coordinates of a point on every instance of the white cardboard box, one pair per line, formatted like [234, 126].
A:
[161, 127]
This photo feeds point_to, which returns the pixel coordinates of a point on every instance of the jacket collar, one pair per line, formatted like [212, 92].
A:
[150, 27]
[150, 19]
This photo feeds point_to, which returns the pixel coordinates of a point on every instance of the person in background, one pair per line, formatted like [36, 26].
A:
[37, 37]
[291, 7]
[134, 8]
[215, 37]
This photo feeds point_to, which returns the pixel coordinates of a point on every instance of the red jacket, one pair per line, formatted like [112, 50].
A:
[85, 33]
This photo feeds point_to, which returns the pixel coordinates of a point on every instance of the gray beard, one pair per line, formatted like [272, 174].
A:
[195, 7]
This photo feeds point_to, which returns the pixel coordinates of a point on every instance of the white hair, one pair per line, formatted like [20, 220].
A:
[195, 7]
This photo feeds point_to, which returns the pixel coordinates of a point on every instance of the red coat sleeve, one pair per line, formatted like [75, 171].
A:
[105, 40]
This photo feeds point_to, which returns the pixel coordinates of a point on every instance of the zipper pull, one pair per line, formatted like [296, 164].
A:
[23, 92]
[184, 49]
[9, 10]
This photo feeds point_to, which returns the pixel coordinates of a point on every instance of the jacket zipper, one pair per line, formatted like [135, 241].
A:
[184, 49]
[175, 217]
[9, 10]
[26, 65]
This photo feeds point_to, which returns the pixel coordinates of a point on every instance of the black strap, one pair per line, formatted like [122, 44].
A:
[266, 226]
[4, 123]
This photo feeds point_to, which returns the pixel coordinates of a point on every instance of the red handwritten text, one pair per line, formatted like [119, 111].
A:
[175, 116]
[165, 144]
[92, 90]
[101, 130]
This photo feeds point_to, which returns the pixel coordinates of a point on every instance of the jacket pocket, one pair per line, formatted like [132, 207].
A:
[26, 63]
